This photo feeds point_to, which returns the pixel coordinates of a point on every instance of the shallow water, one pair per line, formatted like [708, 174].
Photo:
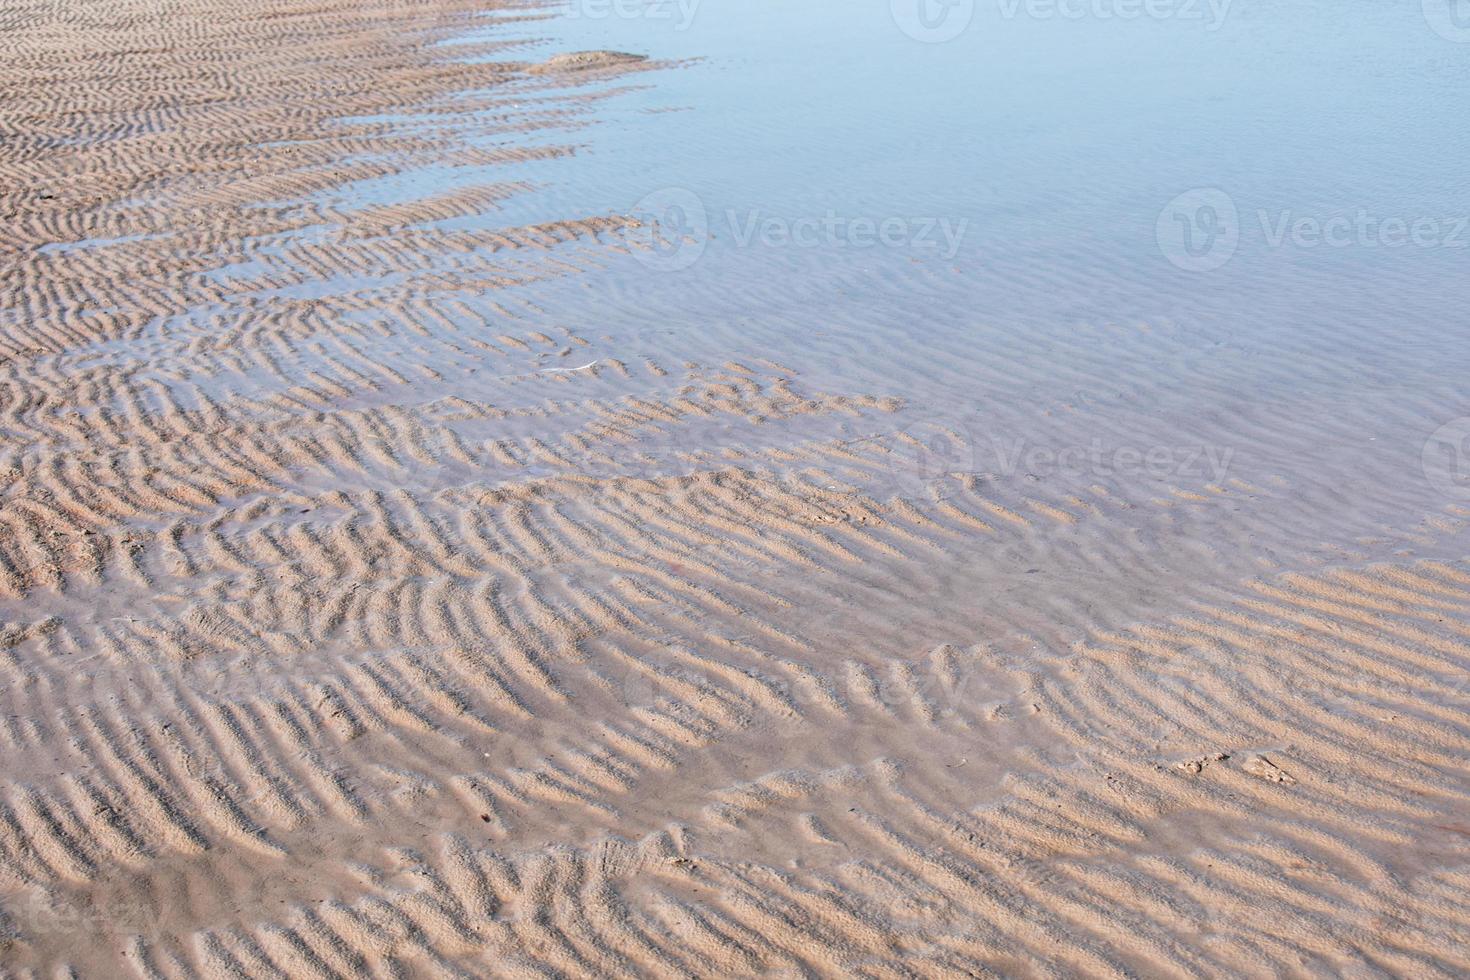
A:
[1056, 144]
[1223, 234]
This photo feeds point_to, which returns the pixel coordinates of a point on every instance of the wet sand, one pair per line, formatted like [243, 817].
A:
[383, 594]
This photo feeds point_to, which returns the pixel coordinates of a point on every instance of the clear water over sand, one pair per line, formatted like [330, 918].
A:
[1233, 230]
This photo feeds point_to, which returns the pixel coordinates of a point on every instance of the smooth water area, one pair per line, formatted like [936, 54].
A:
[1238, 227]
[1252, 161]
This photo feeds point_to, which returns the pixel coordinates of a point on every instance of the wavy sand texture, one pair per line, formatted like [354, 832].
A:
[358, 618]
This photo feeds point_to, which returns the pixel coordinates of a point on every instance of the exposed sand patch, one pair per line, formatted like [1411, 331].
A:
[359, 620]
[586, 61]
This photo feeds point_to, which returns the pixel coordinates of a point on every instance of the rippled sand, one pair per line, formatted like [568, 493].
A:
[375, 601]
